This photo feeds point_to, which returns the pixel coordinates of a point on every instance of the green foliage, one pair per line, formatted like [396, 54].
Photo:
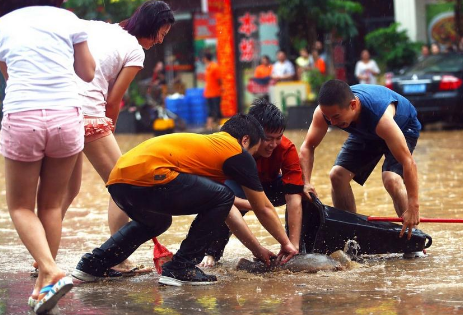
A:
[316, 80]
[392, 47]
[104, 10]
[305, 16]
[136, 96]
[339, 17]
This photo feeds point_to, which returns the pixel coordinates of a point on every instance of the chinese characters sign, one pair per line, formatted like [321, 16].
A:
[259, 35]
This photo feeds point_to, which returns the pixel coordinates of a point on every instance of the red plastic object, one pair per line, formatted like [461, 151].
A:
[161, 255]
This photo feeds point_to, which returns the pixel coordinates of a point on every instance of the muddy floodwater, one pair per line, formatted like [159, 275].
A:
[383, 285]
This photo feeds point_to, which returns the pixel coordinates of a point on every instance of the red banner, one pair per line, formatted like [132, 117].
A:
[226, 58]
[215, 6]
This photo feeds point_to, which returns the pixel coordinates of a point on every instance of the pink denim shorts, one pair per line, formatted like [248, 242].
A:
[31, 135]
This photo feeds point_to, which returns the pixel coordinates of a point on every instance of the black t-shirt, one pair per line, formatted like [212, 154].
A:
[242, 169]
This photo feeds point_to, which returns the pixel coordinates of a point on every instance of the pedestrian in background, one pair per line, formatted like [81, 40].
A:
[283, 69]
[304, 64]
[435, 49]
[318, 62]
[212, 91]
[321, 52]
[424, 52]
[264, 69]
[366, 69]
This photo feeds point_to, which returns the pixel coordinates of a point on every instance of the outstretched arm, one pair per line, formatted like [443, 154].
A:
[315, 135]
[241, 230]
[294, 208]
[388, 130]
[268, 217]
[116, 92]
[242, 204]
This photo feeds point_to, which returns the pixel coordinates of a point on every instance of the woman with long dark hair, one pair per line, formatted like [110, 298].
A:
[118, 51]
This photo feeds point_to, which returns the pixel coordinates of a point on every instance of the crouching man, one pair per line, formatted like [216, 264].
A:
[183, 174]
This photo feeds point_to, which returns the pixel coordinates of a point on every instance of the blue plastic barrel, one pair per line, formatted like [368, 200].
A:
[178, 105]
[197, 106]
[194, 92]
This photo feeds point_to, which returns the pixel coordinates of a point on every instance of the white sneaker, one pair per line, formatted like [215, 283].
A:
[412, 255]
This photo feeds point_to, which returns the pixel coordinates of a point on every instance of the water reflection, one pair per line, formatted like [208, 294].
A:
[386, 285]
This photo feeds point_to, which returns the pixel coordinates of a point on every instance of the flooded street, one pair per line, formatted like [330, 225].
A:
[383, 285]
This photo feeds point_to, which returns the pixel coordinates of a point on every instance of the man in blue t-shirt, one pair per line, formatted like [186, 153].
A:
[380, 122]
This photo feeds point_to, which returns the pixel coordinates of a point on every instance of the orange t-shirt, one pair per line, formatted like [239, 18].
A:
[263, 71]
[212, 79]
[320, 65]
[159, 160]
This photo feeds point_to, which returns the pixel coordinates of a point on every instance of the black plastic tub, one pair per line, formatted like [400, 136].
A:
[326, 229]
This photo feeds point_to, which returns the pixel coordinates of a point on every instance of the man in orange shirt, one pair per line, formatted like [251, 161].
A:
[183, 174]
[212, 91]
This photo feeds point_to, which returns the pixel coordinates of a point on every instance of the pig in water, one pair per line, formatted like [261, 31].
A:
[309, 263]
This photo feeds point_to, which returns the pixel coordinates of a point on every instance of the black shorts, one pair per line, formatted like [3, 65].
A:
[213, 107]
[360, 157]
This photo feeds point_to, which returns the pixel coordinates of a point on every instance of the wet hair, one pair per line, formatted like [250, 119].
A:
[242, 125]
[146, 21]
[7, 6]
[335, 92]
[268, 115]
[207, 56]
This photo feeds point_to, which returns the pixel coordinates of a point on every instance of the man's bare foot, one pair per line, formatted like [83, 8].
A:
[125, 266]
[208, 261]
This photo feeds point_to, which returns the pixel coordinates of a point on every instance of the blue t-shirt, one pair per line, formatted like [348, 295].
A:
[374, 100]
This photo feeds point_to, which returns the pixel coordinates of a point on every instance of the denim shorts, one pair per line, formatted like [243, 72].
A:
[31, 135]
[360, 157]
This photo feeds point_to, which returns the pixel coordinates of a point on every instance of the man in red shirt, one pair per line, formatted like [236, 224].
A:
[279, 172]
[212, 91]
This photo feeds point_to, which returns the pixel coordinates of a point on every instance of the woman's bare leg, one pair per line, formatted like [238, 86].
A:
[103, 154]
[40, 238]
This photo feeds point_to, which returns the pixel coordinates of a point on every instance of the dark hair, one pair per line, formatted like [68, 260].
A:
[146, 21]
[7, 6]
[266, 57]
[208, 56]
[268, 115]
[242, 125]
[335, 92]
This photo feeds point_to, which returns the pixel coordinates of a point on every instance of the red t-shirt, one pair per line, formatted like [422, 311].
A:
[285, 161]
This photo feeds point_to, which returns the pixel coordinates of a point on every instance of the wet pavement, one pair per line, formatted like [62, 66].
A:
[383, 285]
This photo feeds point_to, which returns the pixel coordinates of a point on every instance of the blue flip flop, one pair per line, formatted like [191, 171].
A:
[32, 302]
[54, 292]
